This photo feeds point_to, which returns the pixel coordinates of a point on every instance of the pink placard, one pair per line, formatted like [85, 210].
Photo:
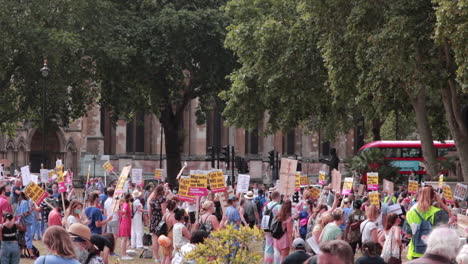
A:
[195, 191]
[218, 190]
[372, 187]
[186, 198]
[61, 187]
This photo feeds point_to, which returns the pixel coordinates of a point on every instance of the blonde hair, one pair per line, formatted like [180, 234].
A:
[425, 199]
[372, 212]
[58, 241]
[207, 205]
[325, 219]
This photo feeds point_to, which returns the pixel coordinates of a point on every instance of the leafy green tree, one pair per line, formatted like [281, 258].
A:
[61, 32]
[159, 57]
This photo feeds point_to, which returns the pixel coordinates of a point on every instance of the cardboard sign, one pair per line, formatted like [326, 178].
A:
[25, 175]
[34, 178]
[243, 182]
[395, 208]
[108, 167]
[388, 187]
[361, 189]
[59, 171]
[137, 176]
[62, 187]
[122, 179]
[224, 197]
[158, 174]
[372, 181]
[297, 184]
[184, 188]
[460, 191]
[374, 198]
[217, 183]
[321, 178]
[441, 181]
[448, 194]
[462, 225]
[44, 175]
[347, 186]
[287, 184]
[199, 183]
[336, 181]
[413, 187]
[35, 193]
[304, 181]
[58, 163]
[315, 192]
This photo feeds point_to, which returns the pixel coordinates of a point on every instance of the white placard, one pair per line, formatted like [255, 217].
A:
[395, 208]
[58, 163]
[243, 181]
[44, 175]
[137, 176]
[25, 175]
[34, 178]
[460, 191]
[1, 170]
[313, 245]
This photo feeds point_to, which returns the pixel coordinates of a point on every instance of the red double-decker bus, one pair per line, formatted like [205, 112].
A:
[407, 155]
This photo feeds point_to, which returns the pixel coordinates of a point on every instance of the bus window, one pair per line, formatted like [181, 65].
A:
[392, 152]
[411, 152]
[442, 152]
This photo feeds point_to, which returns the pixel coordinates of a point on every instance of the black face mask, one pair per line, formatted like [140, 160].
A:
[186, 218]
[7, 194]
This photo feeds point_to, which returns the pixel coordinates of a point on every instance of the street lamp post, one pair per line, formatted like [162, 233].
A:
[45, 73]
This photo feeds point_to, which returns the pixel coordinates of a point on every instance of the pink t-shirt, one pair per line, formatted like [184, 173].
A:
[55, 218]
[5, 207]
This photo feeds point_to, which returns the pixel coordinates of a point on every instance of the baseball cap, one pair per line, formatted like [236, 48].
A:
[298, 243]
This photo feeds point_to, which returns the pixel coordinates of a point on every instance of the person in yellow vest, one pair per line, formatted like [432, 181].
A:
[424, 209]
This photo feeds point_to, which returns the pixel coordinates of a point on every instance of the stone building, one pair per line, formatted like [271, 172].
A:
[91, 140]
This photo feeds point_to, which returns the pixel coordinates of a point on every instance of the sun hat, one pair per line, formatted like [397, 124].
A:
[249, 195]
[78, 230]
[136, 193]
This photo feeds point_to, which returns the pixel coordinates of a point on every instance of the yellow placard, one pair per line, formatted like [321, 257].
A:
[315, 192]
[448, 195]
[217, 183]
[199, 180]
[297, 185]
[321, 177]
[35, 192]
[158, 174]
[123, 177]
[184, 188]
[374, 198]
[304, 180]
[347, 186]
[441, 181]
[108, 167]
[60, 177]
[413, 187]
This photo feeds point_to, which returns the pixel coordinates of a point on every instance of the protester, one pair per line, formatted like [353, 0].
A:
[74, 211]
[125, 216]
[181, 234]
[23, 213]
[250, 210]
[462, 257]
[352, 231]
[324, 220]
[423, 210]
[391, 239]
[299, 256]
[332, 231]
[197, 237]
[282, 245]
[170, 221]
[369, 227]
[5, 206]
[272, 209]
[231, 216]
[55, 216]
[370, 254]
[113, 225]
[208, 221]
[442, 247]
[94, 214]
[137, 221]
[86, 252]
[59, 246]
[15, 193]
[104, 247]
[10, 252]
[156, 209]
[333, 252]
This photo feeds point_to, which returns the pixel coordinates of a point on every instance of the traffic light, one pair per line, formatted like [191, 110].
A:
[211, 156]
[225, 154]
[271, 158]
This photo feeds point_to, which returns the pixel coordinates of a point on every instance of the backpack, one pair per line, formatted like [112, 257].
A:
[259, 202]
[422, 231]
[267, 219]
[206, 227]
[147, 240]
[277, 229]
[161, 229]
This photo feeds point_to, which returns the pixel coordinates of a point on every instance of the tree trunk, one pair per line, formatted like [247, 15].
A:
[425, 132]
[453, 113]
[376, 125]
[173, 143]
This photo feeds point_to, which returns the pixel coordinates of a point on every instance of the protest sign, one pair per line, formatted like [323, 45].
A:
[315, 192]
[224, 197]
[297, 184]
[373, 181]
[35, 192]
[388, 187]
[321, 178]
[122, 179]
[413, 187]
[58, 163]
[394, 208]
[108, 167]
[347, 186]
[361, 189]
[34, 178]
[158, 174]
[59, 171]
[448, 194]
[287, 184]
[243, 182]
[336, 181]
[217, 183]
[44, 175]
[198, 183]
[25, 175]
[462, 225]
[184, 188]
[441, 181]
[62, 187]
[460, 191]
[374, 198]
[137, 176]
[304, 181]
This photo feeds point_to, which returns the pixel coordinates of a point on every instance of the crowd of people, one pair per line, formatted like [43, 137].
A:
[330, 228]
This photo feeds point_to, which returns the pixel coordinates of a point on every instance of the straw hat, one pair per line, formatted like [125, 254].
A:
[249, 195]
[80, 230]
[136, 193]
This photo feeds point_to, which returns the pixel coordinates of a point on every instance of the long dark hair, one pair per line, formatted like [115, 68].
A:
[369, 248]
[285, 211]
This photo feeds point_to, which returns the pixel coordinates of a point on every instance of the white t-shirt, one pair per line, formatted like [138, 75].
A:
[191, 207]
[366, 230]
[71, 220]
[108, 208]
